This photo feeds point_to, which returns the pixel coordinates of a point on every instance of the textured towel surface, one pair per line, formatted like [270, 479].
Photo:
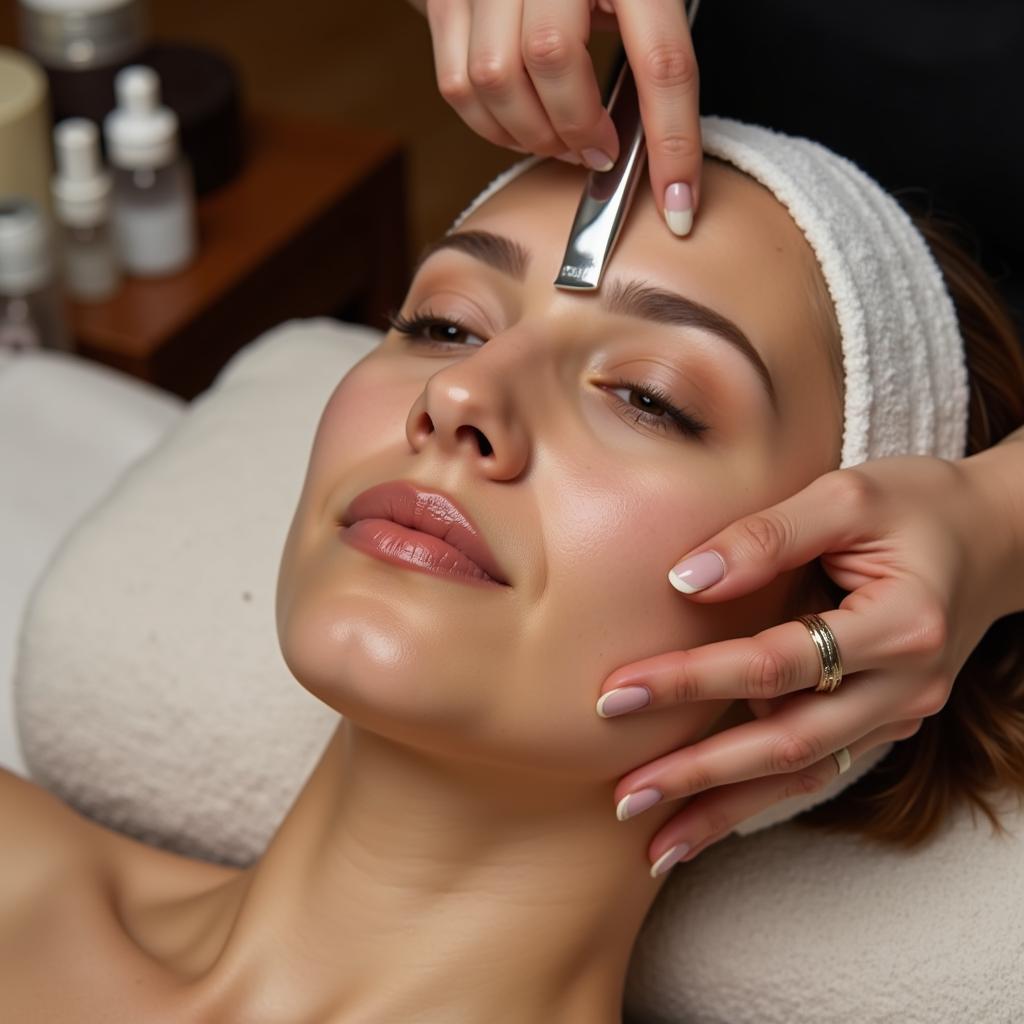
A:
[792, 926]
[68, 429]
[153, 697]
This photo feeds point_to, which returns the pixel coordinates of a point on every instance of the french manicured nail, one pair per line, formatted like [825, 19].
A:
[668, 859]
[679, 208]
[697, 573]
[597, 160]
[569, 157]
[636, 803]
[623, 699]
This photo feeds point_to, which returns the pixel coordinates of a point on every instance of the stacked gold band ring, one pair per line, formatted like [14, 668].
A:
[831, 670]
[828, 653]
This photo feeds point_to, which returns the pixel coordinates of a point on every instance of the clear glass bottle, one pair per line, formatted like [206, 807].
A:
[91, 263]
[82, 193]
[154, 212]
[32, 309]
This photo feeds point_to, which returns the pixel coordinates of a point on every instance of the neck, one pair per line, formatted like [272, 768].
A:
[401, 886]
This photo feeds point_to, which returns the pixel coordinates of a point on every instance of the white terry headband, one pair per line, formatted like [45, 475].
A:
[906, 389]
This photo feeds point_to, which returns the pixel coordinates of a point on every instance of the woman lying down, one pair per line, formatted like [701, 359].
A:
[456, 855]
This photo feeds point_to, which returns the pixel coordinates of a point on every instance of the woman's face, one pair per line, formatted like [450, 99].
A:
[533, 417]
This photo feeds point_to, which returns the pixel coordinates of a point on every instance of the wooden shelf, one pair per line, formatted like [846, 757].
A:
[314, 225]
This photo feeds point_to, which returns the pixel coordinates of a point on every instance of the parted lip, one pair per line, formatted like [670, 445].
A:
[429, 511]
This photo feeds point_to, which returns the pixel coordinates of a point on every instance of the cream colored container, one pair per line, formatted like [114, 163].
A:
[26, 162]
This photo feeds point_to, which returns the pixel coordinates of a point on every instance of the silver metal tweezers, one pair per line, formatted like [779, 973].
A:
[608, 195]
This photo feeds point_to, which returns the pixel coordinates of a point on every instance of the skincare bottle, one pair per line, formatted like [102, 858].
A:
[154, 212]
[82, 191]
[32, 313]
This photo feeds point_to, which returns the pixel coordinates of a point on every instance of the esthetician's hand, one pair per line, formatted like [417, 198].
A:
[518, 73]
[930, 553]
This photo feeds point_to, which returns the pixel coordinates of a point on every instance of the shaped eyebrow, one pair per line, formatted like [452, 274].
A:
[623, 297]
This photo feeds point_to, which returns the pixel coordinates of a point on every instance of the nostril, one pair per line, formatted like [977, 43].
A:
[485, 445]
[425, 426]
[481, 437]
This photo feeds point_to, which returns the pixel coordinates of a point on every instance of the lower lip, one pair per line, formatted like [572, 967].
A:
[414, 549]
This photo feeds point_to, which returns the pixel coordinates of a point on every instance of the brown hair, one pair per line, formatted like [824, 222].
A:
[974, 747]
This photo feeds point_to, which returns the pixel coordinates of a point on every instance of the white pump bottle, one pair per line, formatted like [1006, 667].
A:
[154, 191]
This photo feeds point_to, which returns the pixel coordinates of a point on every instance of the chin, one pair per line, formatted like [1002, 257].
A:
[376, 665]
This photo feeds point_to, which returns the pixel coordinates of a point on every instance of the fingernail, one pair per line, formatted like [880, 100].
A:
[679, 208]
[569, 157]
[597, 160]
[623, 699]
[697, 573]
[635, 803]
[668, 859]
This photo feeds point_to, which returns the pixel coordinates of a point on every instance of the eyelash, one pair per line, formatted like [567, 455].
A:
[684, 422]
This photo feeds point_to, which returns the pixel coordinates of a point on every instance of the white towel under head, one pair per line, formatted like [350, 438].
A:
[903, 355]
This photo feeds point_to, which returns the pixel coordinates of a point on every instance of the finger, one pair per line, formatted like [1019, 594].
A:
[554, 50]
[712, 816]
[778, 660]
[449, 35]
[500, 79]
[657, 41]
[830, 514]
[810, 726]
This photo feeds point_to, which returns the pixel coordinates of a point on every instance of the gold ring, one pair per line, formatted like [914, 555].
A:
[828, 652]
[843, 759]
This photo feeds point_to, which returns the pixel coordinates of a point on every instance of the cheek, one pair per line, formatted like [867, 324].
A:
[607, 602]
[366, 413]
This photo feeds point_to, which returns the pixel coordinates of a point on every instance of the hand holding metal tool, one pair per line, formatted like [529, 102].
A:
[608, 195]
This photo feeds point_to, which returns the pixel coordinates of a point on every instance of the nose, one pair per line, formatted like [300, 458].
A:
[467, 410]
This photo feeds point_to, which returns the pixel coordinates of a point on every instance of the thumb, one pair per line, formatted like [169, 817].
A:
[750, 552]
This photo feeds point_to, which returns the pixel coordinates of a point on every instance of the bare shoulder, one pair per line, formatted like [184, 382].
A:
[40, 823]
[42, 836]
[61, 879]
[94, 924]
